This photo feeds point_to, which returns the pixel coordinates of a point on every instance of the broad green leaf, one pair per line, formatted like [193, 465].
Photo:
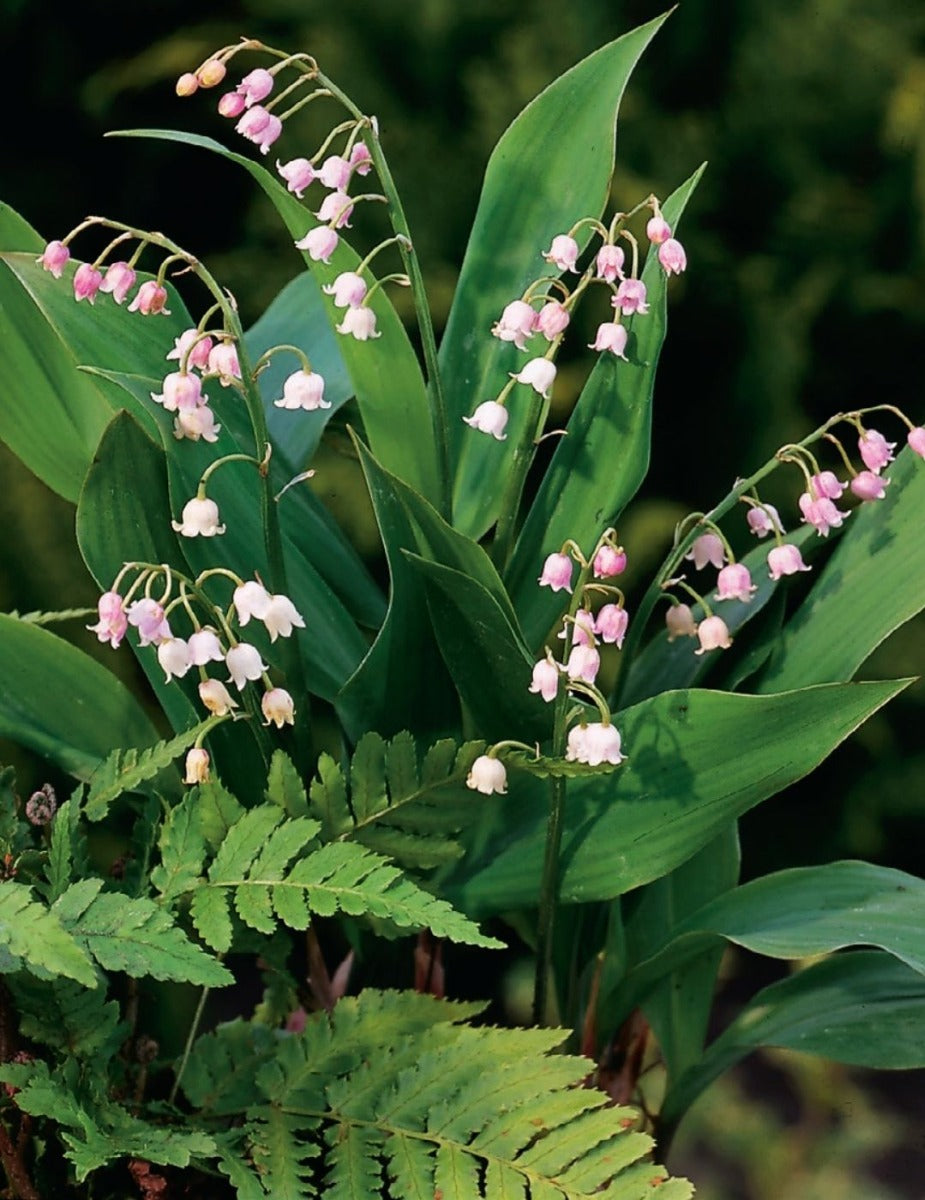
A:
[697, 760]
[598, 466]
[17, 234]
[538, 183]
[864, 1008]
[298, 317]
[872, 584]
[678, 1007]
[51, 415]
[63, 704]
[386, 377]
[487, 659]
[401, 682]
[800, 913]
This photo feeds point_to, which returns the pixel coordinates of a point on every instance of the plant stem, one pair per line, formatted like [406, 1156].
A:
[549, 889]
[188, 1048]
[524, 450]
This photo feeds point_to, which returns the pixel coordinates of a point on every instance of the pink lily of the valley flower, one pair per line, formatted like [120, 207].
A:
[594, 744]
[875, 450]
[197, 351]
[540, 374]
[303, 389]
[196, 423]
[197, 766]
[281, 617]
[319, 243]
[204, 647]
[611, 624]
[827, 485]
[557, 573]
[147, 616]
[87, 282]
[552, 319]
[609, 263]
[113, 620]
[609, 562]
[707, 548]
[916, 439]
[250, 599]
[631, 298]
[764, 519]
[54, 257]
[584, 662]
[199, 519]
[182, 391]
[821, 513]
[243, 662]
[336, 208]
[672, 257]
[216, 697]
[359, 322]
[489, 417]
[278, 708]
[173, 655]
[785, 560]
[487, 775]
[611, 336]
[867, 485]
[735, 583]
[255, 86]
[335, 173]
[119, 280]
[679, 620]
[545, 679]
[563, 253]
[658, 230]
[231, 105]
[223, 362]
[298, 174]
[150, 299]
[360, 158]
[516, 324]
[713, 633]
[348, 289]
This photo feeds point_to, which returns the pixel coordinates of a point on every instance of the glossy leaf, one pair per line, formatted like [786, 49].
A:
[61, 703]
[697, 760]
[598, 466]
[51, 415]
[16, 233]
[872, 584]
[387, 379]
[538, 183]
[864, 1008]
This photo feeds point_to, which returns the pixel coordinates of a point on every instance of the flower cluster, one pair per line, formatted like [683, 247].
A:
[547, 305]
[211, 639]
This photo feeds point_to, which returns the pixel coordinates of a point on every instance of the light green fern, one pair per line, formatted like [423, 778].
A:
[390, 1096]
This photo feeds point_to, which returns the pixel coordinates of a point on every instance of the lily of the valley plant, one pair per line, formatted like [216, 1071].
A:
[506, 736]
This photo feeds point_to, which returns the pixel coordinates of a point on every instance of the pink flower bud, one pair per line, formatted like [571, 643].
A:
[204, 647]
[260, 127]
[211, 73]
[821, 514]
[713, 634]
[611, 336]
[231, 105]
[631, 298]
[540, 374]
[916, 439]
[584, 662]
[827, 485]
[182, 390]
[244, 663]
[680, 622]
[672, 257]
[594, 744]
[517, 323]
[216, 697]
[54, 257]
[187, 84]
[281, 617]
[87, 282]
[785, 560]
[360, 158]
[250, 599]
[278, 708]
[658, 230]
[223, 362]
[609, 561]
[487, 775]
[173, 655]
[196, 423]
[563, 253]
[199, 519]
[150, 299]
[866, 485]
[609, 262]
[147, 616]
[255, 86]
[197, 766]
[113, 620]
[359, 323]
[336, 209]
[552, 319]
[348, 289]
[707, 548]
[319, 243]
[611, 624]
[42, 806]
[119, 279]
[545, 679]
[335, 173]
[735, 583]
[764, 520]
[875, 450]
[557, 573]
[197, 356]
[298, 174]
[303, 389]
[489, 417]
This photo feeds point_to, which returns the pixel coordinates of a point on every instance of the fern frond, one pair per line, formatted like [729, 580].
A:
[69, 1018]
[395, 804]
[134, 936]
[126, 770]
[33, 937]
[50, 618]
[285, 787]
[68, 855]
[182, 849]
[441, 1109]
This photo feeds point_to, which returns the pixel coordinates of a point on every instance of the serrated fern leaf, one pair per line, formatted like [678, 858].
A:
[68, 857]
[283, 1154]
[396, 804]
[33, 937]
[126, 770]
[135, 936]
[182, 848]
[284, 786]
[69, 1018]
[563, 768]
[50, 618]
[446, 1110]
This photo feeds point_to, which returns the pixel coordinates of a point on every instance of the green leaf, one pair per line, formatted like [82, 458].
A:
[36, 939]
[64, 705]
[696, 761]
[135, 936]
[480, 647]
[52, 415]
[386, 377]
[864, 1008]
[182, 849]
[16, 233]
[68, 856]
[401, 681]
[285, 788]
[130, 770]
[551, 768]
[597, 468]
[72, 1019]
[537, 184]
[870, 586]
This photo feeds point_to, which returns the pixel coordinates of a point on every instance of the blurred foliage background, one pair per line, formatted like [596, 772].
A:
[805, 294]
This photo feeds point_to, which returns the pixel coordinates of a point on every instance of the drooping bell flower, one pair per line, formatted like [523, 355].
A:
[489, 417]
